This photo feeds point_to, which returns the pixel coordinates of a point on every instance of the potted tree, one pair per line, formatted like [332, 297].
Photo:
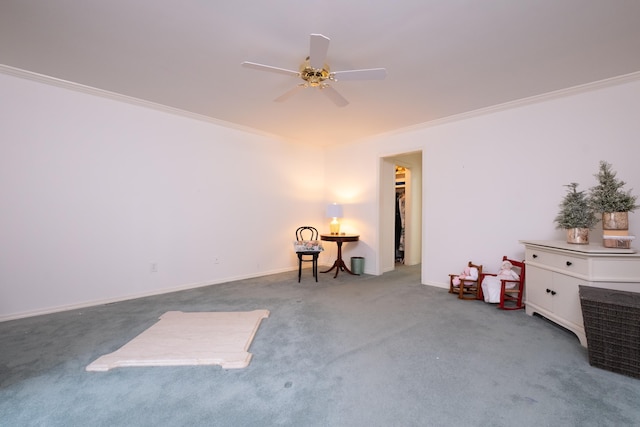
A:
[614, 203]
[576, 215]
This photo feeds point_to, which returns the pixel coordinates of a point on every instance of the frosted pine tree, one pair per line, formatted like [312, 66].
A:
[608, 195]
[575, 210]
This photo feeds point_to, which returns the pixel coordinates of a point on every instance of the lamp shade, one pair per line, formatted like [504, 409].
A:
[334, 211]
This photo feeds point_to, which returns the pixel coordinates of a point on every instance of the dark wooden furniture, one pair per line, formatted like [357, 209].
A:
[339, 239]
[307, 234]
[467, 289]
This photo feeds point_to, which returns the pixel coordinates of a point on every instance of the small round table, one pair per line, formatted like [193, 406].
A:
[339, 239]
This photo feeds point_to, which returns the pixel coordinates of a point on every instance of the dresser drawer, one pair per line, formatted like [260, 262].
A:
[558, 261]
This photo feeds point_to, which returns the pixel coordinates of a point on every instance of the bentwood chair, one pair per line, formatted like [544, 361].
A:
[307, 248]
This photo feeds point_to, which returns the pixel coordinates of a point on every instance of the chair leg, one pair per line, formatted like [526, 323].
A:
[299, 267]
[509, 298]
[315, 267]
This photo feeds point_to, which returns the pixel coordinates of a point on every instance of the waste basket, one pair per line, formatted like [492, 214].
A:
[357, 265]
[612, 326]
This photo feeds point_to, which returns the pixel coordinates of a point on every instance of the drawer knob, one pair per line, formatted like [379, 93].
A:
[534, 256]
[568, 263]
[548, 290]
[553, 292]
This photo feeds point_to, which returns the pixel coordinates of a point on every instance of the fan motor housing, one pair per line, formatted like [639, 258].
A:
[314, 76]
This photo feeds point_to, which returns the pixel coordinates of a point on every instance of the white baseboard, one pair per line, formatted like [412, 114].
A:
[93, 303]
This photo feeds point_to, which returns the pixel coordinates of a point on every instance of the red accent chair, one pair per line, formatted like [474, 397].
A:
[510, 297]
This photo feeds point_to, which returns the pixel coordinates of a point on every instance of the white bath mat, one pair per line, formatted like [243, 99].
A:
[179, 339]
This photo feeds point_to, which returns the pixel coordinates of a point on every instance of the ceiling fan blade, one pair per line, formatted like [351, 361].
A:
[288, 94]
[333, 95]
[319, 47]
[263, 67]
[368, 74]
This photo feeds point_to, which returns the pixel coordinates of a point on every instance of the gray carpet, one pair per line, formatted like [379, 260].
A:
[351, 351]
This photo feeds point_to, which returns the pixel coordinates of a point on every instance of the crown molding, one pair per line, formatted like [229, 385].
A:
[561, 93]
[77, 87]
[65, 84]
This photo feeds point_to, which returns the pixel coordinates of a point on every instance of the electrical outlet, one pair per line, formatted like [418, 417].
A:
[154, 267]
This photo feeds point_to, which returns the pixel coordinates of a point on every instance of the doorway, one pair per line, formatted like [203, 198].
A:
[402, 175]
[400, 242]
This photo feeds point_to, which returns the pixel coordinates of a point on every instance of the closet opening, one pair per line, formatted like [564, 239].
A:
[400, 213]
[400, 207]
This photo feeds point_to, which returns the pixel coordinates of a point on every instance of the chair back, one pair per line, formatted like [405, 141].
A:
[306, 233]
[518, 267]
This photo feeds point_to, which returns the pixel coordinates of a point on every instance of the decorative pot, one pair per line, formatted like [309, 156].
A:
[578, 236]
[615, 221]
[615, 230]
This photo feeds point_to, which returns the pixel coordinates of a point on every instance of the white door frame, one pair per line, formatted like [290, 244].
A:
[413, 209]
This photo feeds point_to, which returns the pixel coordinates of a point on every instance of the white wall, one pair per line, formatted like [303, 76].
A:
[94, 191]
[352, 179]
[491, 180]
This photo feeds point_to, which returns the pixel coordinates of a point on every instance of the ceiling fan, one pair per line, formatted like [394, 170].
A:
[315, 72]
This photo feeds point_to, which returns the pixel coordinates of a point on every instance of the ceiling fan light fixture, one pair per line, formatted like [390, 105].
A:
[314, 76]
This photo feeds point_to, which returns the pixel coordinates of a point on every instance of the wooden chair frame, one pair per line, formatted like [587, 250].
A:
[468, 289]
[514, 296]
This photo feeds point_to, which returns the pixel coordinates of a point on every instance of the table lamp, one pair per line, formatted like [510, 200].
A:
[334, 211]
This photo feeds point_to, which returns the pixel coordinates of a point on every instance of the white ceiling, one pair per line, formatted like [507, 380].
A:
[443, 57]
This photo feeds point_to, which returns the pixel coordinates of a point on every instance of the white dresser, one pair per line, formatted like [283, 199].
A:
[555, 269]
